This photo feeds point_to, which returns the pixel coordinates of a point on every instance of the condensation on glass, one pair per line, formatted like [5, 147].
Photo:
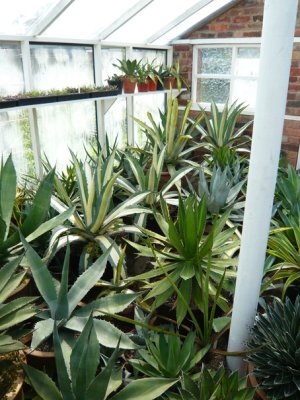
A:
[15, 139]
[116, 124]
[59, 66]
[110, 56]
[64, 126]
[157, 57]
[11, 69]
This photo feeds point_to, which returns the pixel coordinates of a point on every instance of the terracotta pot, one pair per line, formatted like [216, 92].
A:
[42, 360]
[152, 85]
[129, 84]
[261, 394]
[169, 82]
[143, 87]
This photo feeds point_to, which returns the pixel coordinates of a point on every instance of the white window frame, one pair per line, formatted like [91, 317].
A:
[228, 77]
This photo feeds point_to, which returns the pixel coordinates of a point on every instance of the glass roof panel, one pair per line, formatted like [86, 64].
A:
[17, 17]
[150, 20]
[194, 19]
[87, 18]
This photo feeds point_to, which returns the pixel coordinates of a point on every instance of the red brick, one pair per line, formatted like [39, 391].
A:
[251, 34]
[223, 18]
[295, 72]
[241, 19]
[219, 27]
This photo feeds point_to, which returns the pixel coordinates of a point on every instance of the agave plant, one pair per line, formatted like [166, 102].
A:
[80, 380]
[62, 303]
[221, 137]
[185, 252]
[222, 191]
[175, 134]
[35, 223]
[275, 345]
[166, 356]
[95, 220]
[213, 385]
[15, 311]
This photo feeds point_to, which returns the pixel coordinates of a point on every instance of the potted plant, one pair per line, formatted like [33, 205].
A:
[275, 349]
[142, 78]
[129, 69]
[115, 80]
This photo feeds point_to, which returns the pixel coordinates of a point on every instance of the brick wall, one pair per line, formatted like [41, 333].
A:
[241, 21]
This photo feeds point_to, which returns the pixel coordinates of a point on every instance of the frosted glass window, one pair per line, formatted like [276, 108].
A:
[151, 19]
[110, 56]
[213, 89]
[64, 126]
[116, 123]
[247, 61]
[245, 91]
[149, 55]
[15, 138]
[88, 18]
[142, 105]
[59, 66]
[214, 60]
[11, 69]
[226, 73]
[18, 17]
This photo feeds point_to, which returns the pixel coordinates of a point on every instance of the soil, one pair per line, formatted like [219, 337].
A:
[10, 373]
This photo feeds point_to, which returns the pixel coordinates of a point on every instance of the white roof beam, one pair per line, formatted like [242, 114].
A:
[178, 20]
[123, 19]
[49, 18]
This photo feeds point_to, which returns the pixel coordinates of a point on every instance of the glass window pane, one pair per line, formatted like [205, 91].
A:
[59, 66]
[15, 138]
[213, 89]
[116, 123]
[142, 105]
[151, 19]
[244, 90]
[148, 55]
[11, 69]
[65, 126]
[88, 18]
[110, 56]
[247, 61]
[214, 60]
[17, 17]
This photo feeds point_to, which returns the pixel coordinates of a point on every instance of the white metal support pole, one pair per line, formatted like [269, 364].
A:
[130, 106]
[275, 60]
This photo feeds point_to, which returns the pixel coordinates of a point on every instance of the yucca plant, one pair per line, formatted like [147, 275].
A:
[96, 220]
[80, 380]
[128, 67]
[166, 356]
[13, 312]
[214, 385]
[150, 180]
[220, 136]
[185, 252]
[275, 349]
[62, 301]
[286, 253]
[174, 133]
[288, 193]
[35, 223]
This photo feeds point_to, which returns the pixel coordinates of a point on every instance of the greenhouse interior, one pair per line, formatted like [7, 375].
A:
[150, 200]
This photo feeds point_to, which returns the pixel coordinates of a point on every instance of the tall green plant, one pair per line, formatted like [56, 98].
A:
[220, 136]
[12, 312]
[174, 133]
[95, 220]
[62, 302]
[80, 380]
[35, 223]
[184, 252]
